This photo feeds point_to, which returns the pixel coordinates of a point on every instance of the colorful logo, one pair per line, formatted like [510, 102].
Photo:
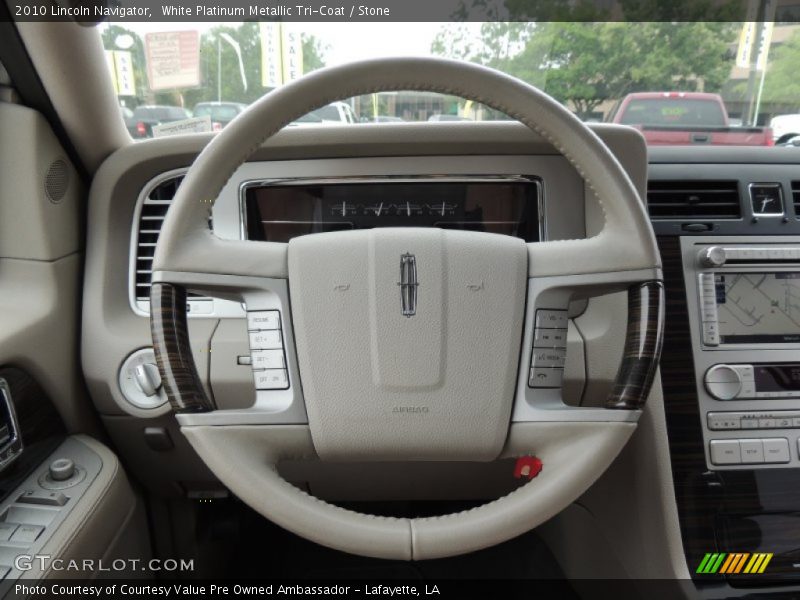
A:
[733, 563]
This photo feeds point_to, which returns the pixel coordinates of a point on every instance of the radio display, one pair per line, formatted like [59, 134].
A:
[280, 211]
[758, 308]
[777, 378]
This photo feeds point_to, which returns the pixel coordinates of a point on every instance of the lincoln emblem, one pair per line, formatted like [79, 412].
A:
[408, 284]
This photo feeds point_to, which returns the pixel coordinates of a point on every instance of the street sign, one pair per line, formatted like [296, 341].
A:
[173, 59]
[194, 125]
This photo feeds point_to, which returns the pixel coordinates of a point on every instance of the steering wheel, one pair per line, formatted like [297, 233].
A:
[370, 382]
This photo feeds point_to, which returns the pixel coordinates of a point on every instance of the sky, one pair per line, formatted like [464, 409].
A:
[346, 42]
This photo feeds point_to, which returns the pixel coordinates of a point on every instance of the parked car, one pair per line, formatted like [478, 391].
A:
[680, 118]
[221, 113]
[441, 117]
[785, 127]
[332, 114]
[146, 116]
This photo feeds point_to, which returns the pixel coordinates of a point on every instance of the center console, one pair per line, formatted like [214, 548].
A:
[743, 295]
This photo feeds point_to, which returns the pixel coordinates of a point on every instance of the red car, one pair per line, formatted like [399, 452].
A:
[685, 118]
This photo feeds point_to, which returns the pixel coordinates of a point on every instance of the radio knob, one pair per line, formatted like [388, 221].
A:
[723, 382]
[713, 256]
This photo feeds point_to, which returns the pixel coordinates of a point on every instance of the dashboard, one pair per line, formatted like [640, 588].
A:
[728, 227]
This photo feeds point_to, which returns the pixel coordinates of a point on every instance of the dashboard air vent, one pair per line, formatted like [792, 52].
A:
[151, 218]
[796, 198]
[693, 200]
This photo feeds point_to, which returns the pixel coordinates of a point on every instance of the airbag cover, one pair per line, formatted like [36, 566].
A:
[382, 385]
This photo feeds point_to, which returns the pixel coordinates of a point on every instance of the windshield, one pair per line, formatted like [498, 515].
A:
[734, 80]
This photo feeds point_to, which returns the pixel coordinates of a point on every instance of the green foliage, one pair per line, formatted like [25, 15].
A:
[587, 63]
[781, 83]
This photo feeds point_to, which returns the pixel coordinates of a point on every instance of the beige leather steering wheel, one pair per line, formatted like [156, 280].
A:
[367, 382]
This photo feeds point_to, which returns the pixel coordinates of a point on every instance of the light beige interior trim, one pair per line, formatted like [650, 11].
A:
[91, 528]
[70, 62]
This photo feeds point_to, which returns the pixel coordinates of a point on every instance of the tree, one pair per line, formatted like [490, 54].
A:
[313, 53]
[588, 63]
[781, 83]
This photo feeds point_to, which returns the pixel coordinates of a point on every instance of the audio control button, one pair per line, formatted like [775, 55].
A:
[748, 390]
[723, 421]
[723, 382]
[749, 423]
[776, 450]
[752, 451]
[725, 452]
[710, 333]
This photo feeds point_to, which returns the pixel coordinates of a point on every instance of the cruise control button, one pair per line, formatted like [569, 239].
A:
[553, 357]
[725, 452]
[268, 359]
[27, 534]
[752, 451]
[546, 378]
[265, 340]
[776, 450]
[271, 379]
[551, 319]
[550, 338]
[263, 320]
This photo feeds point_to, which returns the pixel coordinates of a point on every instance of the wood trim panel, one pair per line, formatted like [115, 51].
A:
[170, 333]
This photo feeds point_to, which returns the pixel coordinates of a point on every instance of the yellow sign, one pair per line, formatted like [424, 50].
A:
[120, 65]
[281, 54]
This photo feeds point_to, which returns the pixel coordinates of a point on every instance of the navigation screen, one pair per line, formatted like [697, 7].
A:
[758, 308]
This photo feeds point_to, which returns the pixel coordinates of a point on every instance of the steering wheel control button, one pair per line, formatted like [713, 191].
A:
[546, 378]
[61, 469]
[752, 451]
[271, 379]
[726, 452]
[551, 319]
[548, 357]
[27, 534]
[723, 382]
[268, 359]
[549, 338]
[263, 320]
[266, 340]
[776, 450]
